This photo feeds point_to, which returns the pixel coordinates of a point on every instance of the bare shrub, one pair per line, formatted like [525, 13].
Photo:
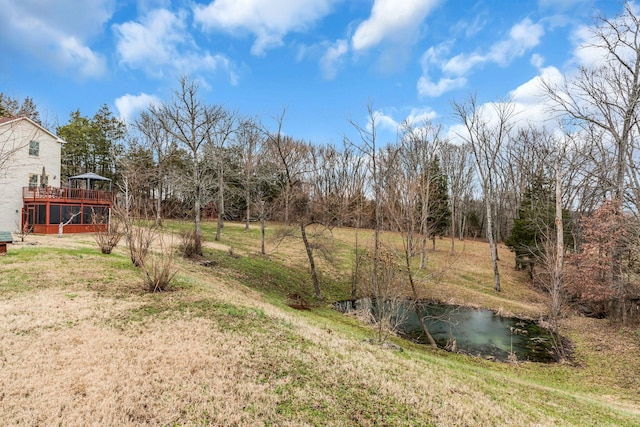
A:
[138, 234]
[139, 240]
[159, 267]
[24, 231]
[188, 247]
[109, 238]
[383, 284]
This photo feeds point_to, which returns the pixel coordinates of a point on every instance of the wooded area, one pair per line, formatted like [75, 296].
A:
[563, 198]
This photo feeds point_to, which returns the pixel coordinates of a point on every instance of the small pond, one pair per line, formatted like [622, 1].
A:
[477, 332]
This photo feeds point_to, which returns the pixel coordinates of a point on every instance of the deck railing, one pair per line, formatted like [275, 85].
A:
[66, 195]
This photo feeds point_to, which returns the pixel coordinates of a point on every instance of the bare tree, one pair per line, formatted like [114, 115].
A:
[607, 95]
[217, 152]
[388, 309]
[351, 181]
[369, 147]
[458, 168]
[295, 160]
[131, 210]
[10, 144]
[486, 131]
[403, 197]
[285, 150]
[191, 122]
[250, 140]
[421, 147]
[158, 141]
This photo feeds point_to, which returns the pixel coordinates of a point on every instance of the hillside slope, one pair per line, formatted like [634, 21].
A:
[81, 343]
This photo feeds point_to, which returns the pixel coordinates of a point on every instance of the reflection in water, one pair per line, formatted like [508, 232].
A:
[476, 332]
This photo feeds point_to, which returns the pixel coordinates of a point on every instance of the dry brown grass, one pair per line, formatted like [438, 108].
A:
[83, 345]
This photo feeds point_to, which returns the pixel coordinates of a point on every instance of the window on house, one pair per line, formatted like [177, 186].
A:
[33, 180]
[34, 148]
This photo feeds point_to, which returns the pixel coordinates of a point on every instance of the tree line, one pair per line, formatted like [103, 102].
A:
[563, 198]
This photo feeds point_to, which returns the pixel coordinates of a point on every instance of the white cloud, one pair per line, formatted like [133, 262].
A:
[415, 117]
[463, 63]
[151, 42]
[531, 91]
[587, 51]
[470, 29]
[129, 106]
[268, 21]
[332, 57]
[560, 4]
[532, 106]
[522, 37]
[421, 115]
[50, 33]
[537, 60]
[160, 41]
[391, 19]
[434, 89]
[385, 122]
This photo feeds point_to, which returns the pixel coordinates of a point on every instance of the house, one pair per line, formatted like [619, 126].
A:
[31, 193]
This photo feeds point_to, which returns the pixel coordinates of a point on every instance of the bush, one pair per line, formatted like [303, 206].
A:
[188, 244]
[109, 239]
[159, 268]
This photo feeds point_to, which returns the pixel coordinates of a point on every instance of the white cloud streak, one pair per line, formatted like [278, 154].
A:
[391, 19]
[48, 32]
[129, 106]
[268, 21]
[332, 58]
[522, 37]
[160, 41]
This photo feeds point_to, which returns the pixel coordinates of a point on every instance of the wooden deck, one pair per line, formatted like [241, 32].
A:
[67, 195]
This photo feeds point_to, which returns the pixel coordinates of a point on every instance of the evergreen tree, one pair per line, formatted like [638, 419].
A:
[535, 224]
[11, 107]
[92, 144]
[439, 212]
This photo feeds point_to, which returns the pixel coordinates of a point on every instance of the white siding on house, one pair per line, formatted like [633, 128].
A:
[15, 142]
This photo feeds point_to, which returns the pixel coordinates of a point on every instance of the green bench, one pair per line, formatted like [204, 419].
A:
[5, 238]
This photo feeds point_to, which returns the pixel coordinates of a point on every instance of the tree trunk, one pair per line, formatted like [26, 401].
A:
[312, 263]
[159, 204]
[453, 227]
[423, 261]
[407, 258]
[356, 268]
[492, 244]
[287, 191]
[248, 213]
[197, 237]
[262, 227]
[220, 204]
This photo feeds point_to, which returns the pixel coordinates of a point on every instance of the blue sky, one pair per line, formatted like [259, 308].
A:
[322, 60]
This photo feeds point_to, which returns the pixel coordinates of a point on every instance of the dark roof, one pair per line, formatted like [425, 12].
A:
[90, 175]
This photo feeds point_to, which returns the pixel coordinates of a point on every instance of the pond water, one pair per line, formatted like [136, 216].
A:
[477, 332]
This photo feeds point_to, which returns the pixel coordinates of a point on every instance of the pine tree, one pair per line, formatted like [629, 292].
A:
[439, 212]
[535, 224]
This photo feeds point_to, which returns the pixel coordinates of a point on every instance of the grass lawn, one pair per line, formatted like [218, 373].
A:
[82, 343]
